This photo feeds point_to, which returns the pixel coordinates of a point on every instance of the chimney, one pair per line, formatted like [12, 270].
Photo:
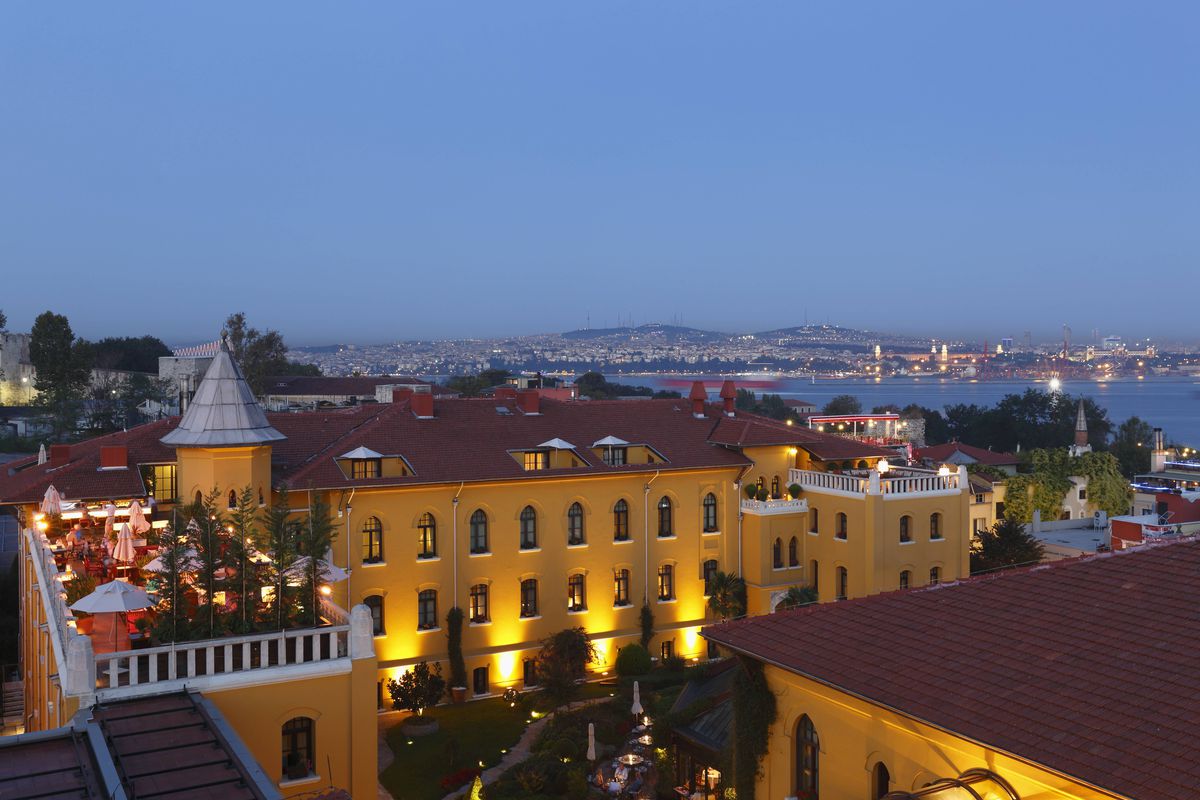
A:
[506, 393]
[114, 457]
[698, 396]
[529, 401]
[422, 405]
[728, 396]
[1158, 456]
[59, 454]
[400, 395]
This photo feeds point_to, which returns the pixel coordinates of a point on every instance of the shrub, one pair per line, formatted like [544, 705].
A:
[418, 688]
[794, 490]
[566, 748]
[633, 659]
[751, 491]
[761, 494]
[458, 666]
[647, 622]
[674, 663]
[577, 785]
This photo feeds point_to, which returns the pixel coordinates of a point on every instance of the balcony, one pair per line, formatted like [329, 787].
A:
[899, 482]
[770, 507]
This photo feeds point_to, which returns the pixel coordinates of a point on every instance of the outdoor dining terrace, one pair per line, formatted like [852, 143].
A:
[891, 482]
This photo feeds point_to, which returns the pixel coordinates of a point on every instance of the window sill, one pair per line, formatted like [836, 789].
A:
[577, 546]
[910, 541]
[289, 783]
[622, 541]
[478, 555]
[428, 630]
[670, 600]
[483, 624]
[527, 619]
[939, 539]
[368, 564]
[667, 538]
[710, 533]
[619, 606]
[379, 635]
[841, 538]
[814, 533]
[571, 613]
[530, 550]
[423, 559]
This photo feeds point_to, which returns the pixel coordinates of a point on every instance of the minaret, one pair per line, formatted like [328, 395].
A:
[1081, 445]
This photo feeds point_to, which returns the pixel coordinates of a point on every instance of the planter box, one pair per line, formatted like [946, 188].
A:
[419, 726]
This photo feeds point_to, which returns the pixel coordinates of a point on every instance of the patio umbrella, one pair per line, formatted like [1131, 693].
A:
[124, 551]
[114, 597]
[42, 454]
[137, 519]
[188, 561]
[327, 572]
[52, 502]
[591, 751]
[637, 699]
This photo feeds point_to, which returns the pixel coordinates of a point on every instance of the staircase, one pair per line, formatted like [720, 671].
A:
[12, 701]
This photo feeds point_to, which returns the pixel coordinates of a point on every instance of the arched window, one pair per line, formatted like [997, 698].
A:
[575, 524]
[479, 531]
[528, 528]
[479, 603]
[666, 582]
[935, 526]
[710, 513]
[808, 753]
[621, 587]
[840, 530]
[843, 578]
[529, 597]
[576, 593]
[299, 748]
[793, 552]
[261, 501]
[881, 781]
[906, 528]
[814, 517]
[905, 579]
[375, 604]
[199, 498]
[935, 576]
[232, 499]
[426, 536]
[621, 521]
[710, 574]
[777, 554]
[427, 617]
[761, 483]
[666, 518]
[814, 573]
[372, 541]
[775, 492]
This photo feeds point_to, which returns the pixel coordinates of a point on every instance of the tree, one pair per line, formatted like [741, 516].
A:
[727, 595]
[205, 532]
[797, 596]
[646, 621]
[458, 666]
[562, 662]
[841, 405]
[315, 539]
[474, 385]
[129, 353]
[3, 322]
[418, 688]
[1131, 446]
[63, 367]
[1005, 544]
[277, 538]
[243, 520]
[260, 354]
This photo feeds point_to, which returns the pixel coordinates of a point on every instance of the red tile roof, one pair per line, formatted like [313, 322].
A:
[1087, 667]
[942, 452]
[748, 430]
[330, 385]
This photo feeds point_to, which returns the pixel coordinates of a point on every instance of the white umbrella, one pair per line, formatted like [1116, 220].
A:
[329, 573]
[188, 561]
[637, 699]
[256, 557]
[137, 519]
[124, 551]
[113, 596]
[52, 502]
[591, 751]
[42, 454]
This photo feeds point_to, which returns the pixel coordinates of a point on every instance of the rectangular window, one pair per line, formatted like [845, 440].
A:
[666, 582]
[427, 610]
[667, 649]
[615, 456]
[576, 594]
[1083, 494]
[160, 482]
[621, 588]
[529, 598]
[530, 672]
[366, 468]
[298, 748]
[480, 680]
[537, 459]
[479, 603]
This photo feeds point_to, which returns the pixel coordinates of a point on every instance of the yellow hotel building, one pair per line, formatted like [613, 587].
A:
[1072, 680]
[530, 514]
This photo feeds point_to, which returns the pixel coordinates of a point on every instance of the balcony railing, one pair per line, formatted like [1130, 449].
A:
[764, 507]
[907, 482]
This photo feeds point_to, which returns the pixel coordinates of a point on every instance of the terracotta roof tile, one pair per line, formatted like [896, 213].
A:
[941, 452]
[1085, 666]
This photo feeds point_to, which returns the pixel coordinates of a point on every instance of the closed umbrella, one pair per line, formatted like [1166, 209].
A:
[637, 699]
[137, 520]
[591, 751]
[110, 512]
[124, 551]
[52, 502]
[42, 454]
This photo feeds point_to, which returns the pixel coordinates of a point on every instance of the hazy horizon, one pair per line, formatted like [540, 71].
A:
[379, 173]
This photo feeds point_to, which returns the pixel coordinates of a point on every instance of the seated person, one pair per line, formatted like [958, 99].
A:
[75, 538]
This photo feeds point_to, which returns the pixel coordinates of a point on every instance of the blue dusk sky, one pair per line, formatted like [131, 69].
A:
[363, 172]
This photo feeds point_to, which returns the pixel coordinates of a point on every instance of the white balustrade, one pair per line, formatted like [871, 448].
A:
[764, 507]
[904, 481]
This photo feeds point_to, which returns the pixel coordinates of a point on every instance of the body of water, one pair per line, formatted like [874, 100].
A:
[1172, 404]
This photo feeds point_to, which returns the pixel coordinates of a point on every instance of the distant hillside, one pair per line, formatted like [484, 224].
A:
[676, 332]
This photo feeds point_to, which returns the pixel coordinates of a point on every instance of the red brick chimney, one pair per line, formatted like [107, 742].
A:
[698, 396]
[529, 401]
[400, 395]
[422, 405]
[728, 396]
[59, 454]
[505, 393]
[114, 457]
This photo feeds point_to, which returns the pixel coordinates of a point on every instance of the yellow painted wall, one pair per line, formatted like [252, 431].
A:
[854, 735]
[202, 468]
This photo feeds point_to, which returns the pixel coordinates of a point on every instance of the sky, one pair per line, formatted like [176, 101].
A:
[366, 172]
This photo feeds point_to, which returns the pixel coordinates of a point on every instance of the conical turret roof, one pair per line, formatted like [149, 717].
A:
[223, 413]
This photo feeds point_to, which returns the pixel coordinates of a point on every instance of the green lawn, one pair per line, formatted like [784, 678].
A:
[481, 729]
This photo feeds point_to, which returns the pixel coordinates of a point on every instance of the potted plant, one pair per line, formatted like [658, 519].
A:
[458, 666]
[751, 491]
[761, 495]
[794, 490]
[81, 587]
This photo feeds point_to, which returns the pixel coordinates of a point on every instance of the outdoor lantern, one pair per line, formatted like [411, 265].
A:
[943, 470]
[883, 466]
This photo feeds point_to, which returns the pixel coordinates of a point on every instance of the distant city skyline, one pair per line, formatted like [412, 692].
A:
[366, 174]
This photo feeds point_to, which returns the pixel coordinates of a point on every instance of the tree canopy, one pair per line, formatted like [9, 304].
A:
[727, 595]
[562, 661]
[597, 387]
[1005, 544]
[474, 385]
[260, 354]
[63, 365]
[1034, 420]
[1045, 486]
[842, 404]
[129, 353]
[1131, 445]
